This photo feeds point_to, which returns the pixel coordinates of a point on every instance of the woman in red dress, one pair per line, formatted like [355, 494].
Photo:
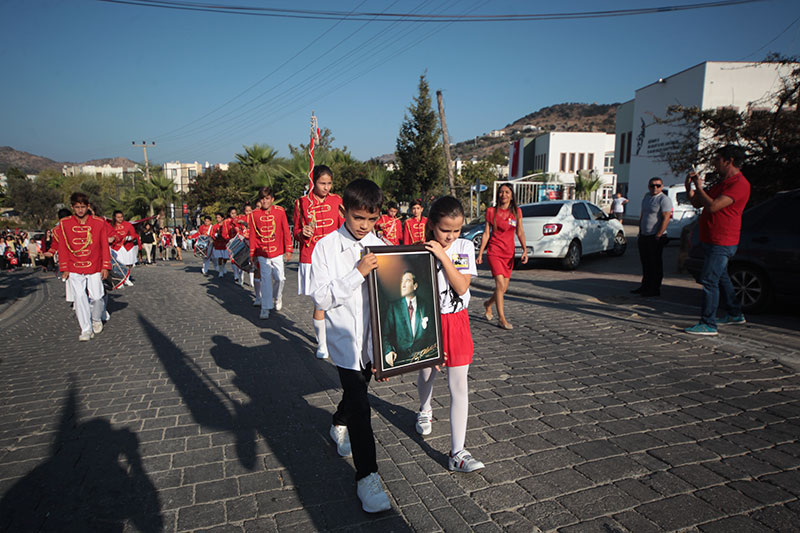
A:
[504, 220]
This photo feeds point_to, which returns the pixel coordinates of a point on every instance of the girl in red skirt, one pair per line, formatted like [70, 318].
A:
[455, 267]
[505, 220]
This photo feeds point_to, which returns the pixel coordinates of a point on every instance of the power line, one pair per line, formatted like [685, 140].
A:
[409, 17]
[754, 52]
[306, 88]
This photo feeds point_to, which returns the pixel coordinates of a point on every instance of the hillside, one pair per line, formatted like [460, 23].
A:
[34, 164]
[559, 117]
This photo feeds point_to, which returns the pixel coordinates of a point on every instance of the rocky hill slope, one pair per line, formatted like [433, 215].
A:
[34, 164]
[559, 117]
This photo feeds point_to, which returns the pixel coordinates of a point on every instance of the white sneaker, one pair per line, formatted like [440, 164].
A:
[322, 354]
[373, 497]
[264, 314]
[86, 336]
[129, 283]
[278, 304]
[257, 302]
[106, 316]
[424, 425]
[341, 437]
[464, 462]
[97, 327]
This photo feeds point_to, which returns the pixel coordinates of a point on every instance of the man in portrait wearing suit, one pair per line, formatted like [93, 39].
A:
[410, 325]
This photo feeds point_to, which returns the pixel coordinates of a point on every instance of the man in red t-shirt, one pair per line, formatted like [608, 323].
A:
[720, 225]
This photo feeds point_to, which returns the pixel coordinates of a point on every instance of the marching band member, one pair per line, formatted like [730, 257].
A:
[230, 227]
[84, 260]
[389, 227]
[271, 243]
[220, 252]
[414, 229]
[244, 226]
[126, 242]
[315, 215]
[205, 229]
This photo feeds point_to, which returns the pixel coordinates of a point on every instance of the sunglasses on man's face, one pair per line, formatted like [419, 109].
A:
[655, 185]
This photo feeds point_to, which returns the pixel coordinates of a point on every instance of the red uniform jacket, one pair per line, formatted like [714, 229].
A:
[230, 227]
[269, 232]
[54, 243]
[83, 248]
[413, 231]
[217, 234]
[120, 231]
[390, 229]
[205, 229]
[327, 214]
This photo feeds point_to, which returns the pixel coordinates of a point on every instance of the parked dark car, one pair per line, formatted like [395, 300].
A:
[767, 261]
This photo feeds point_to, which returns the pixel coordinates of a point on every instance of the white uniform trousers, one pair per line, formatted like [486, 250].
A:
[272, 280]
[88, 307]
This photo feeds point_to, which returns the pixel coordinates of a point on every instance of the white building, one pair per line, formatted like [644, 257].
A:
[181, 174]
[98, 171]
[562, 154]
[709, 85]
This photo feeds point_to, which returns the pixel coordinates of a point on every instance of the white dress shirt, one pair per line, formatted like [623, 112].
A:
[339, 289]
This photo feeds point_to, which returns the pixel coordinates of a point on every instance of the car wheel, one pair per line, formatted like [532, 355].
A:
[573, 257]
[476, 240]
[620, 245]
[751, 286]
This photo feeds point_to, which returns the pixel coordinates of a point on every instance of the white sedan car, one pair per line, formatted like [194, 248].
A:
[570, 229]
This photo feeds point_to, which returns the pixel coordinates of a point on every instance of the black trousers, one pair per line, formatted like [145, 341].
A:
[354, 412]
[651, 252]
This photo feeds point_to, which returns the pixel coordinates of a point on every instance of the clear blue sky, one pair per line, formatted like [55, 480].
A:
[83, 78]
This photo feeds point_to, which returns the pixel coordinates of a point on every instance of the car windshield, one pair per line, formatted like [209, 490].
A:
[544, 209]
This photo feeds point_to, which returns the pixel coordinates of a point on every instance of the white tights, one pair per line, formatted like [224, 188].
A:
[459, 404]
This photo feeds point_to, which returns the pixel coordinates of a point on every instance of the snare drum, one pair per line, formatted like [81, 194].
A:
[118, 274]
[202, 246]
[239, 252]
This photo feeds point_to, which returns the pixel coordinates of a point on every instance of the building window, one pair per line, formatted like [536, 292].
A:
[563, 166]
[628, 147]
[192, 173]
[572, 162]
[608, 165]
[590, 164]
[174, 173]
[580, 161]
[621, 148]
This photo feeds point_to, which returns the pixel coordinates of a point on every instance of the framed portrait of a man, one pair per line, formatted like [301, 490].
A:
[404, 308]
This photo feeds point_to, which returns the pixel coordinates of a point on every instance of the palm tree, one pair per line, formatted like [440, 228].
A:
[257, 155]
[155, 193]
[586, 183]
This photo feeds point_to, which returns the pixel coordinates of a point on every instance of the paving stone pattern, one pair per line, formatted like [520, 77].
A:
[190, 413]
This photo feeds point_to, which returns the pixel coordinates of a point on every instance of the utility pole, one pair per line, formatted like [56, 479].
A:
[446, 140]
[146, 164]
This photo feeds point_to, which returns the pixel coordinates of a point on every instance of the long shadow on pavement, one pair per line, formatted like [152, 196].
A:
[276, 379]
[83, 486]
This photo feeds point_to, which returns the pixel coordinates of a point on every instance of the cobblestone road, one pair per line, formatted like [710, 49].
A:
[188, 413]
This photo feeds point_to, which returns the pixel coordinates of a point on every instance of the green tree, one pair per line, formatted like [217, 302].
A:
[34, 199]
[419, 151]
[154, 194]
[586, 183]
[498, 157]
